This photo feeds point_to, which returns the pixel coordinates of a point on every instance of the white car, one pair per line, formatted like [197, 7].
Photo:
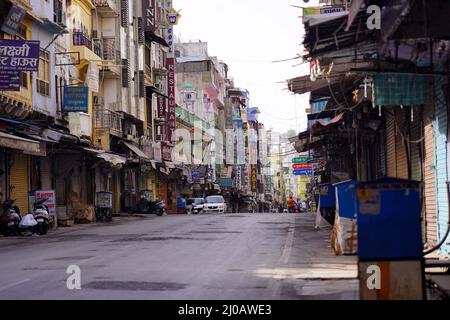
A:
[215, 204]
[195, 205]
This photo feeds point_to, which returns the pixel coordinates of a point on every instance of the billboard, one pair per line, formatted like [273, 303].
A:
[19, 55]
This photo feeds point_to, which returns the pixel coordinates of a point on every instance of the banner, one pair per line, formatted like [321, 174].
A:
[19, 55]
[171, 116]
[228, 113]
[75, 99]
[149, 15]
[161, 101]
[44, 194]
[92, 79]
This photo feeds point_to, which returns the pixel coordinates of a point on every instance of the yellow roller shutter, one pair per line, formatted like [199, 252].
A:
[19, 181]
[429, 175]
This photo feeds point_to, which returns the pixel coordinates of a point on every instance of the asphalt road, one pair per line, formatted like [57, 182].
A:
[232, 256]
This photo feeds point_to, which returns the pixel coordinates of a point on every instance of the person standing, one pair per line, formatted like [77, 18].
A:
[235, 197]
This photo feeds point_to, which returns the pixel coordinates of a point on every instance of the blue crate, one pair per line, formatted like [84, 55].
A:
[346, 198]
[389, 226]
[327, 196]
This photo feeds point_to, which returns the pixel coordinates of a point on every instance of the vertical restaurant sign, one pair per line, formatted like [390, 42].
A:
[161, 101]
[237, 178]
[228, 113]
[13, 20]
[9, 81]
[171, 116]
[19, 55]
[254, 178]
[149, 15]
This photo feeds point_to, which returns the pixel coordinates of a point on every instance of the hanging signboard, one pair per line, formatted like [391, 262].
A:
[303, 172]
[173, 16]
[301, 160]
[195, 176]
[254, 178]
[19, 55]
[75, 99]
[13, 20]
[161, 101]
[9, 81]
[92, 79]
[149, 14]
[171, 116]
[297, 166]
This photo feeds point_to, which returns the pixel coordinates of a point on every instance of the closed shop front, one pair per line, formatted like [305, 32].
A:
[415, 143]
[429, 196]
[390, 145]
[19, 183]
[401, 143]
[46, 172]
[441, 159]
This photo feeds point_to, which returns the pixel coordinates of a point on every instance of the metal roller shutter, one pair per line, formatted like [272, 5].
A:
[19, 181]
[390, 146]
[400, 146]
[440, 136]
[415, 156]
[46, 173]
[429, 175]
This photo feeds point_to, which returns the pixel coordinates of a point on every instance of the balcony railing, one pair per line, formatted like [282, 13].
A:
[109, 49]
[80, 39]
[107, 4]
[105, 118]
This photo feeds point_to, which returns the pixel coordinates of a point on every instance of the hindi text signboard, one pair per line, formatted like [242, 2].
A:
[298, 166]
[75, 99]
[13, 20]
[19, 55]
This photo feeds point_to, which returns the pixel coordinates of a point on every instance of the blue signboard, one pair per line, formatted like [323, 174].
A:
[9, 81]
[19, 55]
[13, 20]
[75, 99]
[195, 176]
[303, 172]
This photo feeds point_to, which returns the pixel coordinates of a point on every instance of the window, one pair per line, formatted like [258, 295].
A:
[24, 79]
[125, 73]
[43, 76]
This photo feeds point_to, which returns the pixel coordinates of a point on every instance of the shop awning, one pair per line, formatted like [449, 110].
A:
[155, 38]
[26, 145]
[325, 123]
[114, 159]
[136, 151]
[322, 115]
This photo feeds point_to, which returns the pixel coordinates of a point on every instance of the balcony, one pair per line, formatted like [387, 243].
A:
[88, 49]
[108, 119]
[107, 8]
[110, 57]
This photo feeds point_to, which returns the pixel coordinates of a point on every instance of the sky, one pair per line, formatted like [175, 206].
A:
[249, 35]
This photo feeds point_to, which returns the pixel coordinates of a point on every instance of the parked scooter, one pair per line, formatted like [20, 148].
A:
[150, 207]
[41, 215]
[10, 219]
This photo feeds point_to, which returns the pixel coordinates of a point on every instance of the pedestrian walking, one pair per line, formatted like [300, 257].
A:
[235, 198]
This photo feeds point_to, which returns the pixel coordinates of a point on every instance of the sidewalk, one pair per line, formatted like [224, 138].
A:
[312, 270]
[121, 217]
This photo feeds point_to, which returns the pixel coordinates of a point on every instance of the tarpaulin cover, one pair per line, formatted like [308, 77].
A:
[402, 89]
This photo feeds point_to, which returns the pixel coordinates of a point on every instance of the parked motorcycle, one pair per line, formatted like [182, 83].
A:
[150, 207]
[10, 219]
[41, 215]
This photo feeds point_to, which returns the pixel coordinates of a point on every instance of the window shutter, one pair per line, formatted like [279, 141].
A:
[141, 84]
[140, 30]
[125, 73]
[124, 13]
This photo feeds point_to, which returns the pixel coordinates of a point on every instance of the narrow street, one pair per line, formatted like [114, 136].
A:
[232, 256]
